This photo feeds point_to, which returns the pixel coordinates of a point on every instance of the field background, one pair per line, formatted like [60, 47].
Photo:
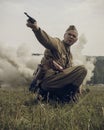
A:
[19, 111]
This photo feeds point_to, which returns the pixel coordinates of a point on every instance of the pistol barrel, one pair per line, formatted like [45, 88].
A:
[32, 20]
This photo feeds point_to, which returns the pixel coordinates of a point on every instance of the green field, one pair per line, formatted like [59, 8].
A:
[18, 111]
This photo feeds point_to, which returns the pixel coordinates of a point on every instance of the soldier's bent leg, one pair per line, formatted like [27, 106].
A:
[73, 75]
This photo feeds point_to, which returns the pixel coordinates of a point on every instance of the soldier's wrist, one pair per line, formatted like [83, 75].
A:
[34, 29]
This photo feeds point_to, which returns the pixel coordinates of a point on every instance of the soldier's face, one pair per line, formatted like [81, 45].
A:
[70, 37]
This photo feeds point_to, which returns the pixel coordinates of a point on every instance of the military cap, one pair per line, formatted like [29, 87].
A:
[72, 27]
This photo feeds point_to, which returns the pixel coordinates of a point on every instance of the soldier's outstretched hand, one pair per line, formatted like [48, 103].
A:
[33, 26]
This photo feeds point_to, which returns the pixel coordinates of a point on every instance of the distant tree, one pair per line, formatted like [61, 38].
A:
[98, 77]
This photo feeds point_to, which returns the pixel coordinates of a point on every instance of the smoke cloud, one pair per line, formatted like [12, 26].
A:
[17, 65]
[80, 59]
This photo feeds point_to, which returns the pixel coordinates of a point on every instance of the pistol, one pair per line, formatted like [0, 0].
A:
[32, 20]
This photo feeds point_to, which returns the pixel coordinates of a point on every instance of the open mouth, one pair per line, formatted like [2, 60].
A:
[70, 40]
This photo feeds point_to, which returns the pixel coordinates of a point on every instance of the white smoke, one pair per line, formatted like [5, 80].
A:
[80, 59]
[16, 65]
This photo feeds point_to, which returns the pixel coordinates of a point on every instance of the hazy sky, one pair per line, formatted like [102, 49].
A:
[54, 17]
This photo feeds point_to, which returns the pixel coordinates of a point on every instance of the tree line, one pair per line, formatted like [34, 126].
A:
[98, 77]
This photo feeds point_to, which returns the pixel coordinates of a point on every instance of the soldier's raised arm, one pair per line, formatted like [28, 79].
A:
[46, 40]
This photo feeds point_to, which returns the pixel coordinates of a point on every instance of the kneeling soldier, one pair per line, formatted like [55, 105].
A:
[57, 75]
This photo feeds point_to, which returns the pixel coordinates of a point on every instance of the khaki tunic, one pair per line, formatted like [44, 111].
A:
[58, 51]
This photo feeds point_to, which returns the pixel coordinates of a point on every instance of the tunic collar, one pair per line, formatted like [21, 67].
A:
[67, 47]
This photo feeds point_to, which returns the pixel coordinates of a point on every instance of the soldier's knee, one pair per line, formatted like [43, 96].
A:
[83, 69]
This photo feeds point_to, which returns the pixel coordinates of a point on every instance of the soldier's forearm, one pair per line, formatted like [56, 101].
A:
[46, 40]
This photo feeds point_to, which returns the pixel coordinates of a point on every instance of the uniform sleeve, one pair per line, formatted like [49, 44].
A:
[46, 40]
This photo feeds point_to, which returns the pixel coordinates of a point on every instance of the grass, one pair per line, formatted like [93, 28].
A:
[18, 111]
